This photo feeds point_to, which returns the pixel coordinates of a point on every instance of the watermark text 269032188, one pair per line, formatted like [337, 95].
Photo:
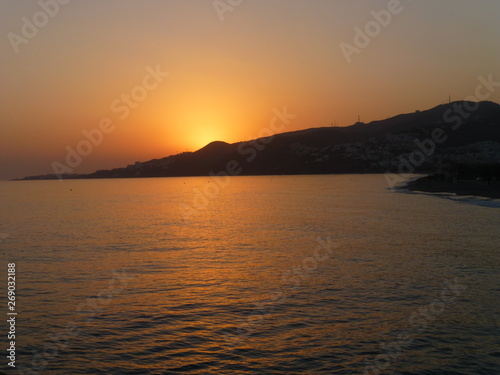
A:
[11, 314]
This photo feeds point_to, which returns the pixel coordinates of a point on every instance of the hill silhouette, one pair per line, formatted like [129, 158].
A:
[472, 136]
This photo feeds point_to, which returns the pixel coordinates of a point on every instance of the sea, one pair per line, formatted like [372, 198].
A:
[335, 274]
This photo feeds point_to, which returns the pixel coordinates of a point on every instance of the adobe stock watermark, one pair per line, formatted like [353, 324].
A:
[224, 6]
[122, 106]
[291, 279]
[32, 25]
[454, 117]
[86, 312]
[418, 323]
[372, 29]
[249, 150]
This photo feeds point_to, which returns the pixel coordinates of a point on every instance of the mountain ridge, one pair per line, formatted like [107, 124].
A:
[374, 147]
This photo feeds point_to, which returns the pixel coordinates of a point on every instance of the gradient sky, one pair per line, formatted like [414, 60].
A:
[225, 76]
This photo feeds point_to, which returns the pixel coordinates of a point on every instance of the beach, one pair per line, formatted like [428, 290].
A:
[461, 188]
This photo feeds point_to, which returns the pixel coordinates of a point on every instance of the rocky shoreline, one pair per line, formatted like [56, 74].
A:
[461, 188]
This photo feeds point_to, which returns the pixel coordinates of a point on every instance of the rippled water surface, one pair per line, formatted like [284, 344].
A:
[268, 275]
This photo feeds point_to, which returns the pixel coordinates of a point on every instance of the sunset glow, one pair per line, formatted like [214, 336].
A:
[248, 187]
[226, 76]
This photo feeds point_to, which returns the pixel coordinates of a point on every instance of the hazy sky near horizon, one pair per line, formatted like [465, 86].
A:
[225, 76]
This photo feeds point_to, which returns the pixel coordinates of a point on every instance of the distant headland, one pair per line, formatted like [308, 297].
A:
[453, 138]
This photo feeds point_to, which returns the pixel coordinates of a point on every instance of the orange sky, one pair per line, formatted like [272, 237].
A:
[225, 76]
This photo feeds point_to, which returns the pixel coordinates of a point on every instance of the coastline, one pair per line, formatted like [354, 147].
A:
[461, 188]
